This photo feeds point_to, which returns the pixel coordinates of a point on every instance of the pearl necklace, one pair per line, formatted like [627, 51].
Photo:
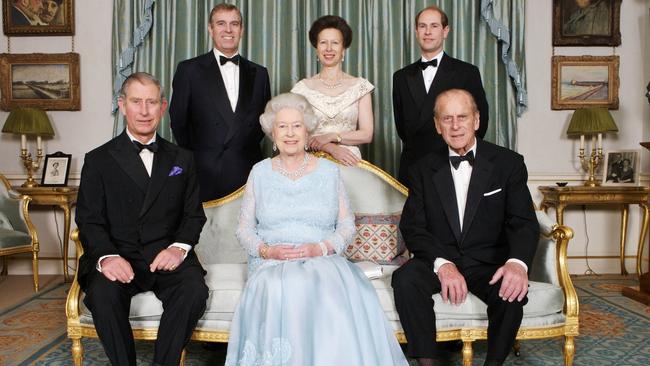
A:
[296, 173]
[330, 85]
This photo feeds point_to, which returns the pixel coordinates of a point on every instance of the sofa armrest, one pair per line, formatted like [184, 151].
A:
[74, 296]
[550, 262]
[562, 235]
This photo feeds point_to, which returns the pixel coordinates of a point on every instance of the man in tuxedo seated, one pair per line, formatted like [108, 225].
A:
[139, 216]
[470, 224]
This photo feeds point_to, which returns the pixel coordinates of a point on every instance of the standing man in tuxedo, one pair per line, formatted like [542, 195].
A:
[470, 224]
[416, 87]
[139, 217]
[215, 109]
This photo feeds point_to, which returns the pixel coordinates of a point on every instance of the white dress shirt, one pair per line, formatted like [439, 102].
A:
[147, 159]
[430, 72]
[462, 177]
[230, 76]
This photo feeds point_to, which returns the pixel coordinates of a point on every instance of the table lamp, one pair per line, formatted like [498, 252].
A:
[33, 122]
[594, 122]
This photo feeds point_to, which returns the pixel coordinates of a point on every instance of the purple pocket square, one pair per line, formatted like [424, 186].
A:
[176, 170]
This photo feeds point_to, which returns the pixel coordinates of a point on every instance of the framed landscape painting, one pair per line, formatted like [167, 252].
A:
[584, 81]
[46, 81]
[586, 22]
[38, 17]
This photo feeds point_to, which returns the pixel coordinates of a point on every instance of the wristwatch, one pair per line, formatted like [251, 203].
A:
[338, 138]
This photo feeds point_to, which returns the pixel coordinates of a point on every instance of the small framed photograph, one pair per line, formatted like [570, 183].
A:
[586, 23]
[46, 81]
[621, 168]
[56, 169]
[38, 17]
[584, 81]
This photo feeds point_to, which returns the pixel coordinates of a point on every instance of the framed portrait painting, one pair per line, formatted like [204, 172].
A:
[56, 169]
[621, 168]
[38, 17]
[46, 81]
[584, 81]
[586, 22]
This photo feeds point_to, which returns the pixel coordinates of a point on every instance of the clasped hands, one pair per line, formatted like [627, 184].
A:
[119, 269]
[514, 283]
[291, 252]
[327, 144]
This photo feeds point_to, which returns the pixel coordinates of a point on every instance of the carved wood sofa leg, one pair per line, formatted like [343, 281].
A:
[517, 348]
[183, 354]
[468, 353]
[569, 351]
[77, 352]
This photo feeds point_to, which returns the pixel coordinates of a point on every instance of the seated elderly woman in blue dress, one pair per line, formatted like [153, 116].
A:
[304, 304]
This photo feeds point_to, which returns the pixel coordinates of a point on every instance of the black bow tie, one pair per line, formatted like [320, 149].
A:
[425, 64]
[153, 147]
[455, 160]
[234, 60]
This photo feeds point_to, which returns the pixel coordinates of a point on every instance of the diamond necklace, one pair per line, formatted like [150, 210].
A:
[329, 85]
[296, 173]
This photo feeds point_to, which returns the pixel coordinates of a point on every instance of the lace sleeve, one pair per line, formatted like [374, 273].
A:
[247, 226]
[345, 228]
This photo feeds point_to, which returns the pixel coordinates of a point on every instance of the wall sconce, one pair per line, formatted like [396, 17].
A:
[33, 122]
[594, 122]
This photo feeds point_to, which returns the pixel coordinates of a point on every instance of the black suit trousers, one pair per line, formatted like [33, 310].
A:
[415, 283]
[183, 293]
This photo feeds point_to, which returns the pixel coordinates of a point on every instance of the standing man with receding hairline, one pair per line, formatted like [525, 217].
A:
[216, 104]
[416, 87]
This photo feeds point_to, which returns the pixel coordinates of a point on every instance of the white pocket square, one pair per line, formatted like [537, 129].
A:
[492, 192]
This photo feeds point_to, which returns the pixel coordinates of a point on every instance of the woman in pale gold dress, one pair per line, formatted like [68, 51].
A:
[342, 102]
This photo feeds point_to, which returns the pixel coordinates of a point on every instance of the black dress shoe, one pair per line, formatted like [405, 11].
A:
[429, 362]
[493, 363]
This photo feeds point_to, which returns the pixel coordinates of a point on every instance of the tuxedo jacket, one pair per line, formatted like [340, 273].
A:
[225, 144]
[413, 106]
[499, 221]
[121, 210]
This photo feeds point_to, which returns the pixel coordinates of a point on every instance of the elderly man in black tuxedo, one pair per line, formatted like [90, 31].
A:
[470, 224]
[416, 86]
[215, 109]
[139, 216]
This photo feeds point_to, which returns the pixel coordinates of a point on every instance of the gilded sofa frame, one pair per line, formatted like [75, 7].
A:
[560, 234]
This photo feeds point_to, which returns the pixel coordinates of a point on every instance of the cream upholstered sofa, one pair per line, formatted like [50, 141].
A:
[552, 310]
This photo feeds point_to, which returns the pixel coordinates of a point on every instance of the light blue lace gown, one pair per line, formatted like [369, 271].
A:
[320, 311]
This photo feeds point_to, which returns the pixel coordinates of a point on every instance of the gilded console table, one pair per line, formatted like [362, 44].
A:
[62, 197]
[561, 197]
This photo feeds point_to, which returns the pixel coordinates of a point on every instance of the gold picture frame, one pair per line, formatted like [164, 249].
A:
[584, 81]
[27, 18]
[586, 23]
[47, 81]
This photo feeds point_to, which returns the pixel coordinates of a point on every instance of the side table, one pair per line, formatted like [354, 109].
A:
[561, 197]
[62, 197]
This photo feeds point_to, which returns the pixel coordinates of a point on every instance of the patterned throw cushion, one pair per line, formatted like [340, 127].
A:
[378, 239]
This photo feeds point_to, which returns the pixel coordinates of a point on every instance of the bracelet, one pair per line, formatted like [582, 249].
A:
[183, 251]
[323, 248]
[338, 138]
[263, 251]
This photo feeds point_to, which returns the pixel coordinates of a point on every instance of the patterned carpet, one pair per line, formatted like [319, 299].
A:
[614, 331]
